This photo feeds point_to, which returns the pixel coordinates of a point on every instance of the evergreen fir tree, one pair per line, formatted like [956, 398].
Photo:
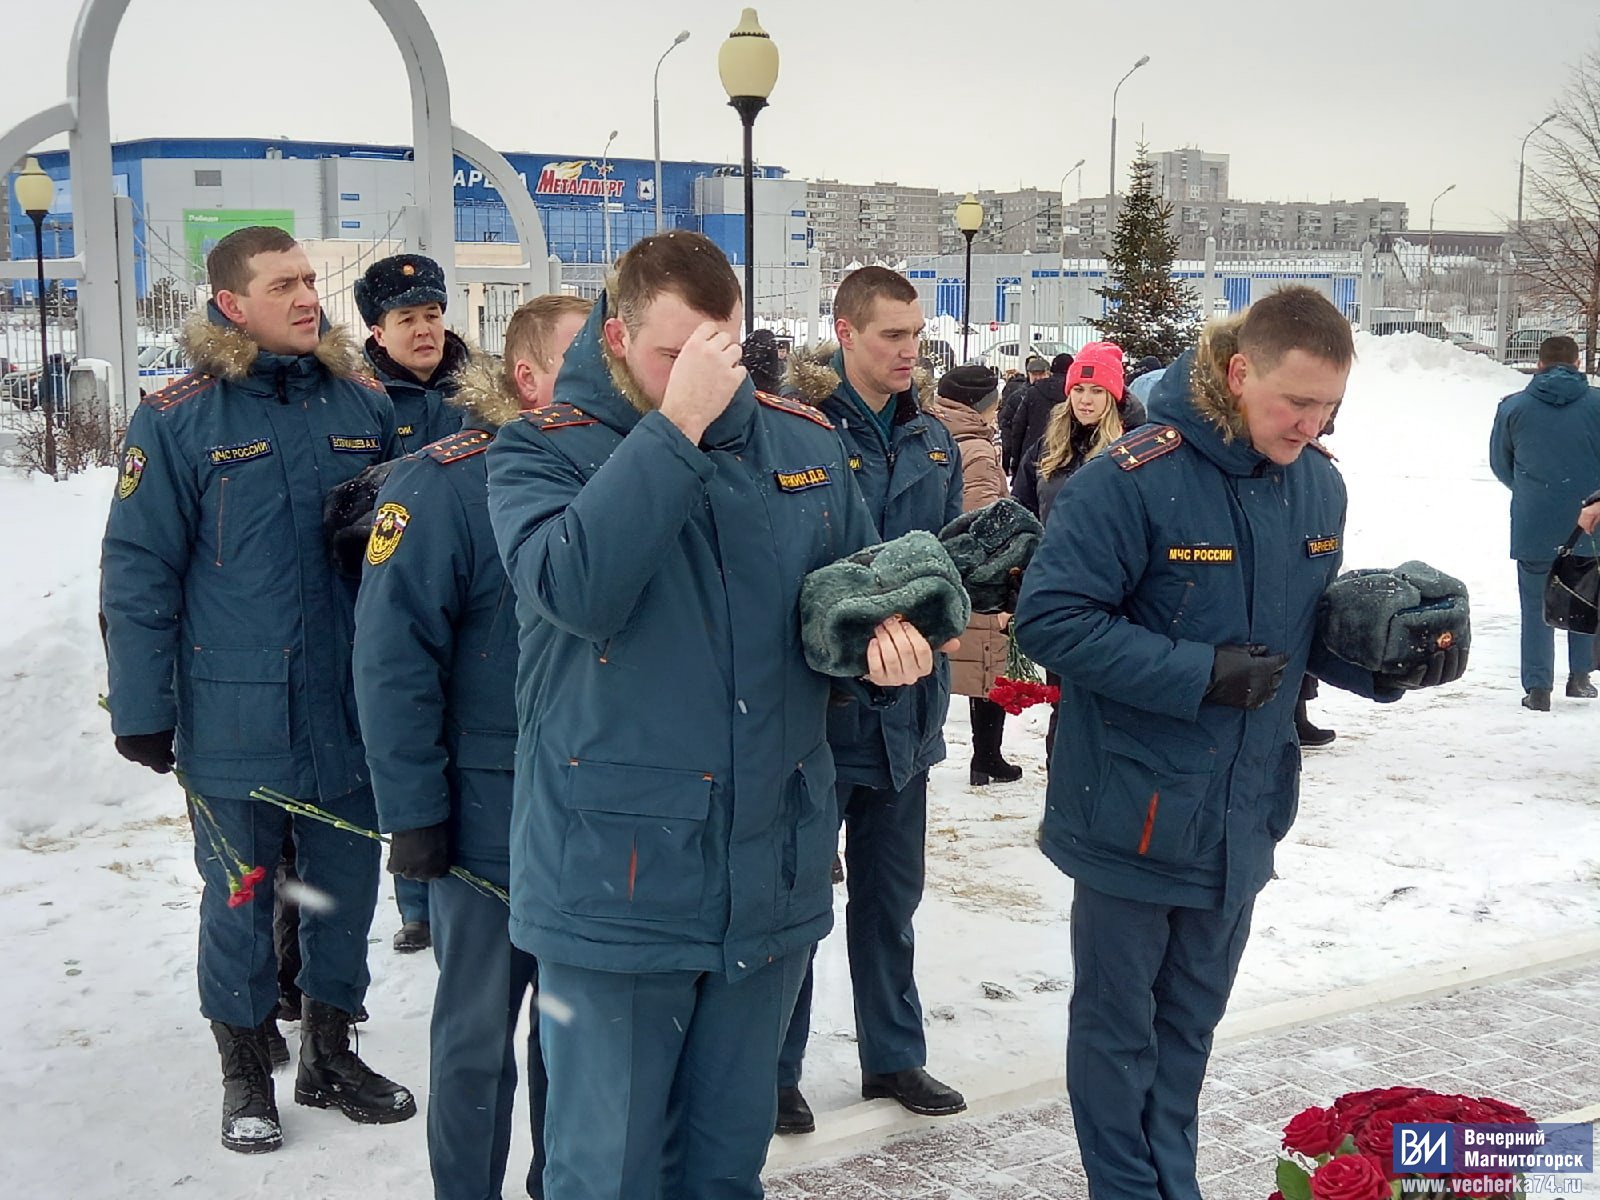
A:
[1147, 310]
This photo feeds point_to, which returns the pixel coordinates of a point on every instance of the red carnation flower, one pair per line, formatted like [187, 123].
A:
[1014, 695]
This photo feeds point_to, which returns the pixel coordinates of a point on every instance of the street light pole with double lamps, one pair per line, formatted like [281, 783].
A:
[1114, 92]
[656, 90]
[969, 219]
[748, 66]
[1427, 270]
[605, 192]
[35, 192]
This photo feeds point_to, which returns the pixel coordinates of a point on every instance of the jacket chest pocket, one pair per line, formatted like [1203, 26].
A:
[634, 842]
[234, 500]
[239, 702]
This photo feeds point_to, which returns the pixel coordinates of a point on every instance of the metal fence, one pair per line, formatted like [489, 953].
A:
[1473, 293]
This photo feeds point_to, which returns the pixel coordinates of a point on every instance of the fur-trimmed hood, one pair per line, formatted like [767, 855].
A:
[811, 375]
[484, 389]
[813, 378]
[216, 346]
[1208, 380]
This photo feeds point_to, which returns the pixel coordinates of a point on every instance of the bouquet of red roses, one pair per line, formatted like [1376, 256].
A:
[1020, 687]
[1346, 1151]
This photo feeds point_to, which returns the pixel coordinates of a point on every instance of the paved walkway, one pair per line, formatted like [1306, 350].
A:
[1533, 1041]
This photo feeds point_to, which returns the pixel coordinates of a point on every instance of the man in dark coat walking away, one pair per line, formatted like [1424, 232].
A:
[673, 822]
[1177, 586]
[1545, 447]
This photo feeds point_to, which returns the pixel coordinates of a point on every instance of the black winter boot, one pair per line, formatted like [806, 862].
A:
[249, 1109]
[794, 1114]
[988, 725]
[1579, 687]
[332, 1075]
[277, 1046]
[1311, 736]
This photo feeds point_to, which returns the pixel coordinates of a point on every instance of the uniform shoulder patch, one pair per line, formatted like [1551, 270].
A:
[1145, 444]
[388, 527]
[176, 393]
[368, 382]
[459, 445]
[797, 408]
[558, 416]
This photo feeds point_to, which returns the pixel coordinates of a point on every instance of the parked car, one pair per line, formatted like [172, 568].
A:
[1522, 347]
[1433, 329]
[160, 366]
[1004, 357]
[21, 388]
[1463, 342]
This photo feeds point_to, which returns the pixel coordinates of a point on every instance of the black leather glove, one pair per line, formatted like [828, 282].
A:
[420, 855]
[1442, 666]
[347, 516]
[1245, 676]
[153, 750]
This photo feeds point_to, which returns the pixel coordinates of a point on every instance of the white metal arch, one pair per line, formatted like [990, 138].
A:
[86, 118]
[519, 203]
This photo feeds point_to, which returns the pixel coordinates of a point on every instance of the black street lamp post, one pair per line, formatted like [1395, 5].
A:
[969, 219]
[748, 64]
[35, 191]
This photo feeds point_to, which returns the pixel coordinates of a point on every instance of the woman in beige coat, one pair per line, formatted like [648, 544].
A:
[966, 403]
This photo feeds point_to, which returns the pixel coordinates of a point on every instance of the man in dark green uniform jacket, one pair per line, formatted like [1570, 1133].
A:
[228, 641]
[402, 301]
[909, 470]
[1176, 587]
[673, 826]
[436, 665]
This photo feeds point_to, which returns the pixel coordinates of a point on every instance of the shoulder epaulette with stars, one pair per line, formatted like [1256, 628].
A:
[1145, 444]
[367, 381]
[459, 445]
[794, 408]
[558, 416]
[173, 394]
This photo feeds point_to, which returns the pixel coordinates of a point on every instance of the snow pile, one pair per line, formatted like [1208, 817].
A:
[1449, 826]
[1398, 356]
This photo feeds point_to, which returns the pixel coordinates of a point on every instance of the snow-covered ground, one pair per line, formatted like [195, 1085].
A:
[1449, 826]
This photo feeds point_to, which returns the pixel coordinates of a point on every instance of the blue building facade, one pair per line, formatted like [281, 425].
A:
[356, 191]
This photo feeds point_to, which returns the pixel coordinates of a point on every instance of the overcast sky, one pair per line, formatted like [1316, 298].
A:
[1389, 98]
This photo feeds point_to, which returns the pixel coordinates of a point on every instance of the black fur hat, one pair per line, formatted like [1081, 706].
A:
[399, 282]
